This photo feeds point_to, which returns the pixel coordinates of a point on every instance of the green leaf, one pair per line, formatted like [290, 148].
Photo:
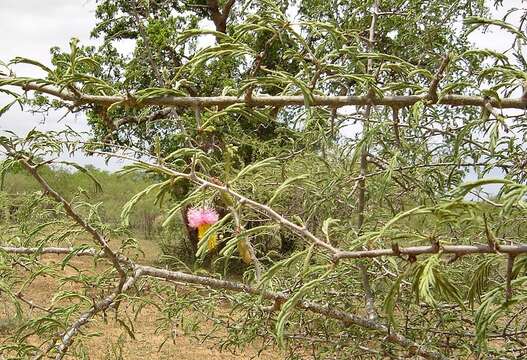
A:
[128, 207]
[289, 305]
[287, 183]
[325, 226]
[474, 22]
[98, 185]
[23, 60]
[269, 162]
[391, 298]
[480, 278]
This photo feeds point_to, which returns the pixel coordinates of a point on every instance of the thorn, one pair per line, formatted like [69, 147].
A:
[432, 92]
[491, 240]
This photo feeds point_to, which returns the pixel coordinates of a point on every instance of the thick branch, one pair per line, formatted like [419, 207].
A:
[326, 310]
[259, 101]
[156, 115]
[459, 250]
[141, 270]
[47, 250]
[220, 17]
[365, 279]
[227, 8]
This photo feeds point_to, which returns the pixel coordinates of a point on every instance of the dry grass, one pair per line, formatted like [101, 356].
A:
[146, 344]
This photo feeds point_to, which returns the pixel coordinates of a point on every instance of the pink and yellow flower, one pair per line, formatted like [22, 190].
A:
[202, 219]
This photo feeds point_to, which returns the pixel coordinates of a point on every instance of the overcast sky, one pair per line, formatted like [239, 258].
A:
[34, 26]
[30, 28]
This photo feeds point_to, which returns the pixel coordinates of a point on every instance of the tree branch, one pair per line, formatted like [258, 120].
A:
[97, 236]
[104, 304]
[148, 46]
[325, 310]
[459, 250]
[227, 8]
[48, 250]
[399, 101]
[149, 271]
[510, 266]
[365, 279]
[220, 17]
[395, 124]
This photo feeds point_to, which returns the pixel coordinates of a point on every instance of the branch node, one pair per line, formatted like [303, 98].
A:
[436, 247]
[131, 101]
[396, 250]
[249, 97]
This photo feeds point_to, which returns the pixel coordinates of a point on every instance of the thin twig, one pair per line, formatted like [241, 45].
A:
[395, 123]
[432, 91]
[102, 305]
[510, 265]
[31, 303]
[148, 46]
[365, 280]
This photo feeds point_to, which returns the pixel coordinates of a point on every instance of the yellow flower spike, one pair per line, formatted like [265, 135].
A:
[243, 249]
[202, 229]
[212, 243]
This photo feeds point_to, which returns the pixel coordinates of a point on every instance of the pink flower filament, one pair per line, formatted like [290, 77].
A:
[201, 216]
